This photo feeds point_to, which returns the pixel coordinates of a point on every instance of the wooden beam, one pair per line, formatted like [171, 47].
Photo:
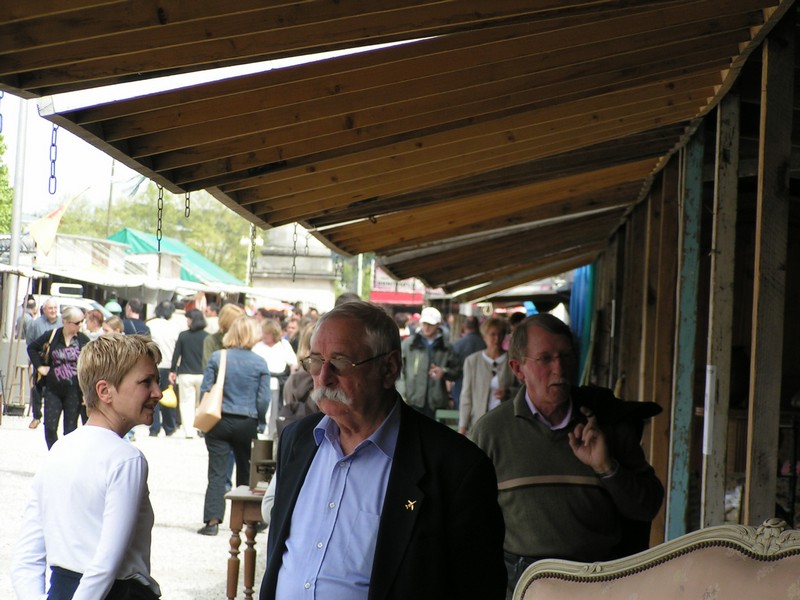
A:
[552, 267]
[582, 232]
[769, 299]
[651, 145]
[462, 216]
[720, 312]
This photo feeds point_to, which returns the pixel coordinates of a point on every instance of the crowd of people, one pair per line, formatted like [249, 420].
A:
[537, 466]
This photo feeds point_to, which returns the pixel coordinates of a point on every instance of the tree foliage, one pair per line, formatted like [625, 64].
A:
[6, 193]
[211, 228]
[348, 282]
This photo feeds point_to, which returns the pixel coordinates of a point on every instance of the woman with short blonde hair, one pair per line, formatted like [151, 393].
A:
[90, 517]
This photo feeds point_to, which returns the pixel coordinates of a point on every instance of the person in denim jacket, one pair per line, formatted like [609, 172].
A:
[245, 398]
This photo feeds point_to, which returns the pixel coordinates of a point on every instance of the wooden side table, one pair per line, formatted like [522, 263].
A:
[245, 509]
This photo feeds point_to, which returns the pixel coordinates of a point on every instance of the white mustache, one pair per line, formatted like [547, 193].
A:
[333, 394]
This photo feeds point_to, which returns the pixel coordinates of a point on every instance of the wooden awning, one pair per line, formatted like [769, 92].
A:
[499, 143]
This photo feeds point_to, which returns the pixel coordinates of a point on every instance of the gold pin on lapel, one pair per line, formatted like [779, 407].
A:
[410, 504]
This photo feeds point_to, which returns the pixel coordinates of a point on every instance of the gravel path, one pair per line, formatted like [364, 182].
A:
[188, 566]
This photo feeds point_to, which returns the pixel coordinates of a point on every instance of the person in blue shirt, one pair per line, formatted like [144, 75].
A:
[372, 498]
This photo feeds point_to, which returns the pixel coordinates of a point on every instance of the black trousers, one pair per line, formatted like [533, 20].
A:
[67, 401]
[64, 583]
[36, 399]
[235, 433]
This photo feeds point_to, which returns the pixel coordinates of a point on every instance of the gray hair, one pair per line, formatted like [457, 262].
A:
[71, 313]
[382, 332]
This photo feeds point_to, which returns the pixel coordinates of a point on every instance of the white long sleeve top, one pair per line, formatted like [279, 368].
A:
[90, 513]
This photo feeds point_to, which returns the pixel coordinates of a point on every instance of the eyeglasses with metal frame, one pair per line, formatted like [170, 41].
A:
[341, 366]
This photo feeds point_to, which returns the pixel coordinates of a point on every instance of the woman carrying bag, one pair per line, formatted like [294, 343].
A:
[54, 356]
[245, 398]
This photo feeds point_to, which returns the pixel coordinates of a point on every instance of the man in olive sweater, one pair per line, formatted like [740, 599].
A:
[572, 477]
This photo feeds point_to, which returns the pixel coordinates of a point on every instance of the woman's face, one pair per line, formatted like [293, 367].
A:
[73, 325]
[137, 396]
[493, 338]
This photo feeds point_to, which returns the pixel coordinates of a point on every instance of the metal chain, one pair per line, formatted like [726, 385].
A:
[2, 94]
[294, 253]
[52, 184]
[252, 251]
[188, 209]
[159, 232]
[308, 235]
[338, 267]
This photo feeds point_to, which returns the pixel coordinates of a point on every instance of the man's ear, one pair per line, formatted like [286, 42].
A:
[103, 390]
[391, 368]
[516, 368]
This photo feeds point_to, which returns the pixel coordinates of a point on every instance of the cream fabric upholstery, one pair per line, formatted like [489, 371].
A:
[728, 562]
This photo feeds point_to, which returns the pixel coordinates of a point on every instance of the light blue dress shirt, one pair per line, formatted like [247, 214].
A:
[335, 522]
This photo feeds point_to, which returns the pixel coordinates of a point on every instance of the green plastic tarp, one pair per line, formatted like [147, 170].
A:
[194, 266]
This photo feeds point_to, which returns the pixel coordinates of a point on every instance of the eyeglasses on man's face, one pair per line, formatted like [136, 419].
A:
[547, 360]
[341, 366]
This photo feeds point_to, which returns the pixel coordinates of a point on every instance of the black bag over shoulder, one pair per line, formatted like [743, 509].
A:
[44, 355]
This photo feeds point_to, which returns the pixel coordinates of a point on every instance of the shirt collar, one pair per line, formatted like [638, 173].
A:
[384, 437]
[540, 417]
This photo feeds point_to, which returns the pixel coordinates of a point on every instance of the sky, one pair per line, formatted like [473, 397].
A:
[80, 168]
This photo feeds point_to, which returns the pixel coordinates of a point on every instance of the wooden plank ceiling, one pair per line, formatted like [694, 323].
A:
[503, 143]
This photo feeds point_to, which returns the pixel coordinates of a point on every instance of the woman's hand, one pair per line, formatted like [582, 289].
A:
[43, 370]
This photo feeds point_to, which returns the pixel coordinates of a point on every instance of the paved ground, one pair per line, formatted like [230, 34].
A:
[188, 566]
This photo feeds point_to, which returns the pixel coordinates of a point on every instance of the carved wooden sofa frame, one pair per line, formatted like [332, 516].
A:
[726, 562]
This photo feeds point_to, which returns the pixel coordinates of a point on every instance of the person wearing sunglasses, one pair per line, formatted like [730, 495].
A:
[54, 356]
[573, 479]
[372, 498]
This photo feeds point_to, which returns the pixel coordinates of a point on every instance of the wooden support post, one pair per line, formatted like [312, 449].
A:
[772, 219]
[633, 296]
[650, 284]
[664, 330]
[720, 312]
[686, 336]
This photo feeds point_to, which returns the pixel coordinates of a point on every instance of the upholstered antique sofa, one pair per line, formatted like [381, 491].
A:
[727, 562]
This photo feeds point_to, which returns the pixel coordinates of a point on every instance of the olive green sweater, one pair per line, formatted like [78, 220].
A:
[554, 506]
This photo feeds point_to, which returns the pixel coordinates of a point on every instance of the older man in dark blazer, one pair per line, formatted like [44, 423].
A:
[374, 500]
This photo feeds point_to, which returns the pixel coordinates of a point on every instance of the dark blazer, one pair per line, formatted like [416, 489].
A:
[449, 545]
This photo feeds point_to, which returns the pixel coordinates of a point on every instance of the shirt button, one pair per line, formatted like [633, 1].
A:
[306, 585]
[332, 505]
[319, 544]
[342, 464]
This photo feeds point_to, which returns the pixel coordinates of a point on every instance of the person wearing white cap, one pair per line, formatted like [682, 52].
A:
[429, 362]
